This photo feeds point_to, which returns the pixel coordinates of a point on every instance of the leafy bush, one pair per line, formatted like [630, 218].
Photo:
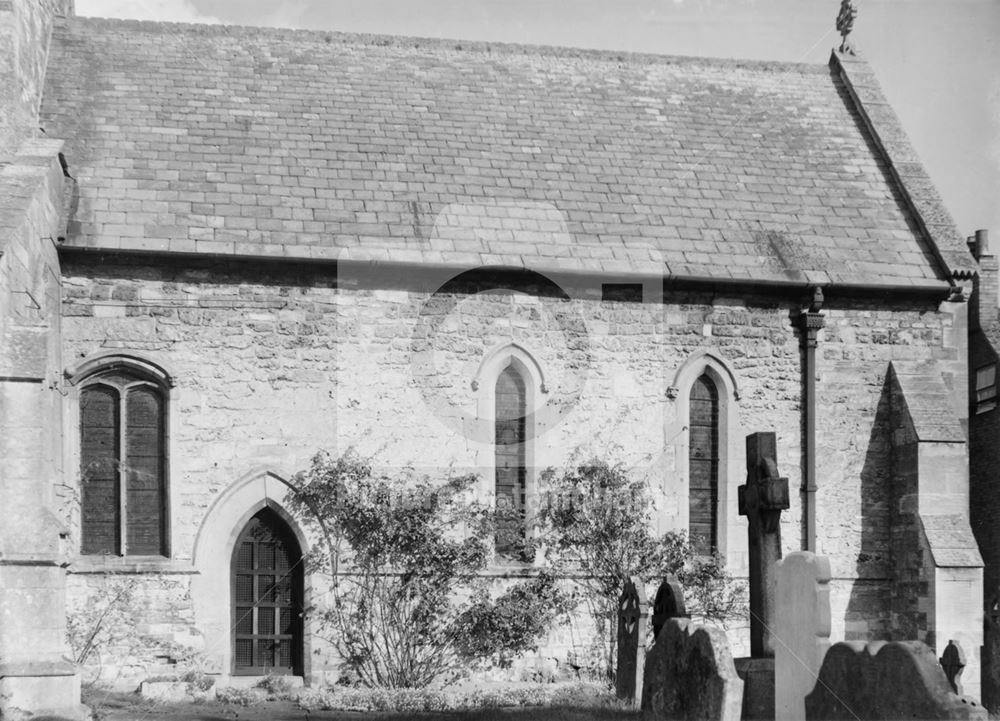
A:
[413, 548]
[597, 521]
[501, 629]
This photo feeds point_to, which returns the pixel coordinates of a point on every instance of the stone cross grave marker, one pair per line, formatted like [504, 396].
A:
[953, 661]
[633, 615]
[762, 499]
[668, 603]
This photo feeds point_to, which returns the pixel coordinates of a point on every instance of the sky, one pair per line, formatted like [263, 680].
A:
[938, 60]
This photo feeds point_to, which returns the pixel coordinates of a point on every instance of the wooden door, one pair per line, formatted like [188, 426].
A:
[267, 598]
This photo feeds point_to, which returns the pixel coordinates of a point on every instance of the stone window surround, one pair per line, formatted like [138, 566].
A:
[77, 376]
[494, 362]
[986, 388]
[731, 541]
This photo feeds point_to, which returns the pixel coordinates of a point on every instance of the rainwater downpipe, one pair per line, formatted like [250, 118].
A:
[811, 321]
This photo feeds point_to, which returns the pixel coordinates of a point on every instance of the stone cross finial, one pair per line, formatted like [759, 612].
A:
[953, 661]
[845, 24]
[762, 499]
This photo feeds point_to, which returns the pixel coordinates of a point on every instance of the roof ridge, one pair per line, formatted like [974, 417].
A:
[453, 44]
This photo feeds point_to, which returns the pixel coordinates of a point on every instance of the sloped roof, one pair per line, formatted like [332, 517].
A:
[930, 403]
[211, 139]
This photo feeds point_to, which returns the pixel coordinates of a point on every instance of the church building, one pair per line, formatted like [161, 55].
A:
[224, 249]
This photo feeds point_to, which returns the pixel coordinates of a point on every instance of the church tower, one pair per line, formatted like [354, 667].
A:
[36, 675]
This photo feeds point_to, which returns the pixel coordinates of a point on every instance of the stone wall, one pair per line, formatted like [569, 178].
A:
[147, 625]
[938, 593]
[273, 363]
[299, 366]
[33, 672]
[24, 42]
[855, 441]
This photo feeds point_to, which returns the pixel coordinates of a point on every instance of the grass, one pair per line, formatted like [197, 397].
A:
[132, 707]
[515, 714]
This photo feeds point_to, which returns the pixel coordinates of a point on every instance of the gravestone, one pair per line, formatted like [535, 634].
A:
[803, 634]
[633, 617]
[885, 682]
[762, 499]
[690, 675]
[952, 663]
[668, 603]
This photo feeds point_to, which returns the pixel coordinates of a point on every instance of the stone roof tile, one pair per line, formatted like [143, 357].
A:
[214, 139]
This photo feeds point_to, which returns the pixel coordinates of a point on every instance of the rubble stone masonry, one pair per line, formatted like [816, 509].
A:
[273, 363]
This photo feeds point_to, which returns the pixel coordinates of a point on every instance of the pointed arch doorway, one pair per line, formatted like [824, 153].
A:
[267, 592]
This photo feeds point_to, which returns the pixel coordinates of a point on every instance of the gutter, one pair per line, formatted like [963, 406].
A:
[412, 273]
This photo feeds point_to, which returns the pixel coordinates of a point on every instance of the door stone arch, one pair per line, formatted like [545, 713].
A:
[214, 548]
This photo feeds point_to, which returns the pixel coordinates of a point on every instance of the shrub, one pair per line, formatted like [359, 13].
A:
[413, 547]
[505, 627]
[597, 521]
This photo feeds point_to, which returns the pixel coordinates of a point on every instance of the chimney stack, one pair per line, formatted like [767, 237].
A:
[986, 284]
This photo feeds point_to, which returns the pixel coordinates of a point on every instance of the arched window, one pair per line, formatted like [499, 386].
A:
[123, 463]
[703, 465]
[511, 467]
